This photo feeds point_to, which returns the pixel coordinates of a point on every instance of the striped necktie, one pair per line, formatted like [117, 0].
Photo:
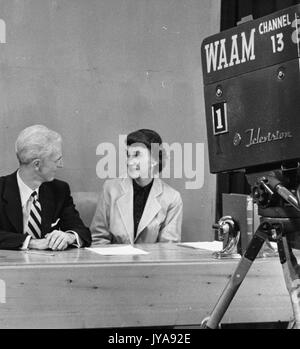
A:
[35, 219]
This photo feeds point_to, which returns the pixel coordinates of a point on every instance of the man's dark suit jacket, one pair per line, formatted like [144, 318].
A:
[56, 203]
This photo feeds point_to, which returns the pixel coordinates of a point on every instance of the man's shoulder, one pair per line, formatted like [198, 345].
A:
[9, 177]
[8, 183]
[57, 184]
[2, 181]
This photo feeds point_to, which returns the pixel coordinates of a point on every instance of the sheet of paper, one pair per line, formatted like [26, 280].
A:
[124, 250]
[274, 245]
[204, 245]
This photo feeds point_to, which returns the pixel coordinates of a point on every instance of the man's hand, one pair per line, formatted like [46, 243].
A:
[38, 244]
[59, 240]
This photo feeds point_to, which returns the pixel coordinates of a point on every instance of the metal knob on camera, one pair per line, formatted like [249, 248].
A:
[228, 231]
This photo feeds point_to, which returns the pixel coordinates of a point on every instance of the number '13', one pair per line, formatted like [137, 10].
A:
[277, 43]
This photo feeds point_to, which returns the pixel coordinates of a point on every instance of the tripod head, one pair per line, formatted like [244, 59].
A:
[277, 192]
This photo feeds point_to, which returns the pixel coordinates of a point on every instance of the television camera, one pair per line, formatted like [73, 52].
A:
[251, 77]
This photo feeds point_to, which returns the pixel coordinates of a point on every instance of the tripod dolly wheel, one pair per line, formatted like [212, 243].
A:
[205, 321]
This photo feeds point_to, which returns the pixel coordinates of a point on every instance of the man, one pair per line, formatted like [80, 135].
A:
[36, 210]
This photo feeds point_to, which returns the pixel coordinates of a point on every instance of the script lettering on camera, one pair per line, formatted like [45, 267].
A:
[258, 137]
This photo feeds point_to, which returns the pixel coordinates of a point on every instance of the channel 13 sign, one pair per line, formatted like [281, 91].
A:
[252, 45]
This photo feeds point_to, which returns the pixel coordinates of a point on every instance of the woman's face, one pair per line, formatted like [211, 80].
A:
[139, 161]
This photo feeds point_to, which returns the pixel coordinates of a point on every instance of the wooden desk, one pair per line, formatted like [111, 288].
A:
[172, 285]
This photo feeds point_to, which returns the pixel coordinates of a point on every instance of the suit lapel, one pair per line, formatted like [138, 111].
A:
[152, 206]
[125, 206]
[13, 207]
[46, 198]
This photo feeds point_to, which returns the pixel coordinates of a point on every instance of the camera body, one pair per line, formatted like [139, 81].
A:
[251, 77]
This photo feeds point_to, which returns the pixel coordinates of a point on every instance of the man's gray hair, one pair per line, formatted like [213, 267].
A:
[36, 142]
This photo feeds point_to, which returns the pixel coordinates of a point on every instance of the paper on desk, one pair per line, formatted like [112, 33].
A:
[204, 245]
[126, 250]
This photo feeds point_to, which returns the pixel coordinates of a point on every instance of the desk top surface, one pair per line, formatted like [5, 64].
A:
[159, 253]
[172, 285]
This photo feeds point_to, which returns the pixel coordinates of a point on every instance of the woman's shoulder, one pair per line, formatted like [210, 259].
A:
[112, 184]
[170, 191]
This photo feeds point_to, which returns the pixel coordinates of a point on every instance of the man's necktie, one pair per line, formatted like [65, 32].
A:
[35, 219]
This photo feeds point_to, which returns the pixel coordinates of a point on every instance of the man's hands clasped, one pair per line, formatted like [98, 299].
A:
[57, 240]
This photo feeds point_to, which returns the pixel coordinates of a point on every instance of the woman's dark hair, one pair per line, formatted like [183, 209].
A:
[151, 140]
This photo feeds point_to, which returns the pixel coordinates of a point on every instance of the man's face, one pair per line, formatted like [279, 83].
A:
[50, 164]
[139, 161]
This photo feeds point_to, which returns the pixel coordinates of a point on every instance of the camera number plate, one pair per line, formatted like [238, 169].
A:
[219, 118]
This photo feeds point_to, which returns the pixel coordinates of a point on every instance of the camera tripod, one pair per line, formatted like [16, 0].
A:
[280, 229]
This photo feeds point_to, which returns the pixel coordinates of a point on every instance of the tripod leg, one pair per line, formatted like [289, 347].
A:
[291, 274]
[237, 278]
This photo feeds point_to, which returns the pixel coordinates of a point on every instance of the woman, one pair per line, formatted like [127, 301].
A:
[140, 208]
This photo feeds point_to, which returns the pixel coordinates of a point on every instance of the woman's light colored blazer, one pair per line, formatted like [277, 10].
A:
[113, 220]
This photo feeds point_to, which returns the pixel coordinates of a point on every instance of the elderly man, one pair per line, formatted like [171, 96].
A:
[36, 210]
